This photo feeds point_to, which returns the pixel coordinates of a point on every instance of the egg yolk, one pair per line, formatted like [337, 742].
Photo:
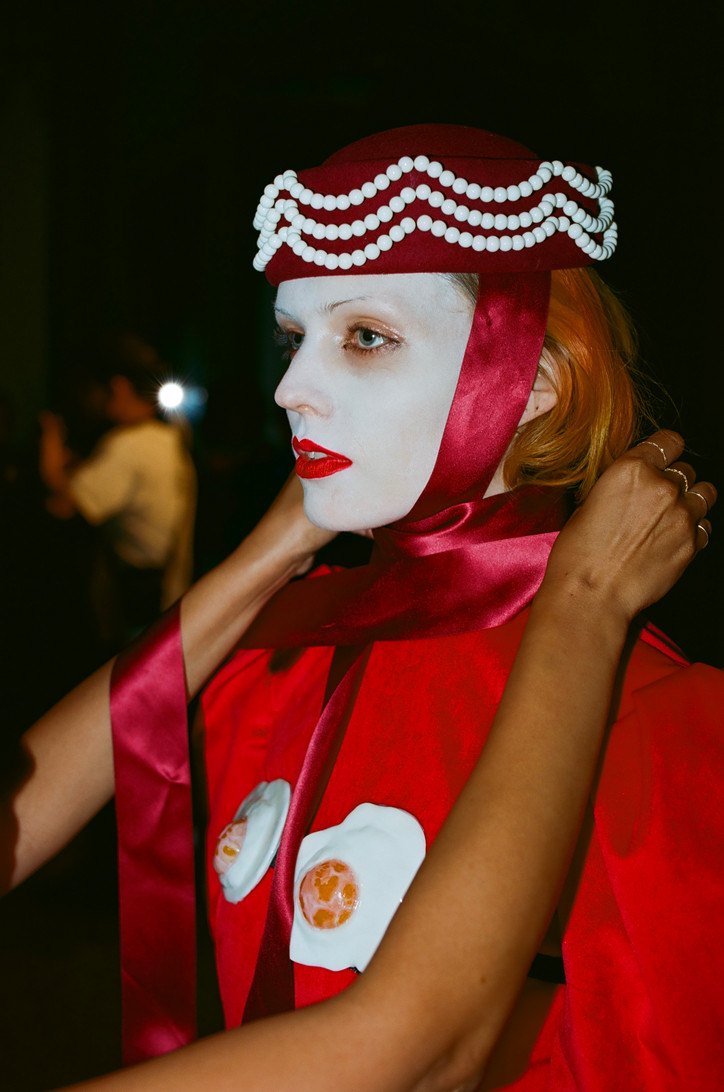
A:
[329, 894]
[229, 846]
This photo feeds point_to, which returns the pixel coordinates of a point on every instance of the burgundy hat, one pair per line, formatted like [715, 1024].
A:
[434, 198]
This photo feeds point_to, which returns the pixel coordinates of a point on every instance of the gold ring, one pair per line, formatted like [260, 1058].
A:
[696, 493]
[652, 443]
[675, 470]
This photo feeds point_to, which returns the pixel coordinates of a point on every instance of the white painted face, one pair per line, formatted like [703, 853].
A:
[374, 362]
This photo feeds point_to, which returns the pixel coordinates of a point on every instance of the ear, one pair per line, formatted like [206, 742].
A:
[542, 398]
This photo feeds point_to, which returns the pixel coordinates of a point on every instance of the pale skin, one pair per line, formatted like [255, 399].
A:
[522, 806]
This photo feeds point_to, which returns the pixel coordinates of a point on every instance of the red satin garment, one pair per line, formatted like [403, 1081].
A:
[643, 1008]
[155, 844]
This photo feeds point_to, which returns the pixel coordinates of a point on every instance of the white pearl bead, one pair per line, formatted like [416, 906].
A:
[299, 247]
[368, 189]
[345, 231]
[447, 178]
[570, 208]
[513, 193]
[488, 221]
[557, 167]
[308, 226]
[371, 222]
[525, 188]
[563, 223]
[271, 191]
[506, 242]
[435, 169]
[500, 194]
[331, 261]
[317, 201]
[408, 225]
[422, 162]
[529, 239]
[475, 217]
[359, 257]
[461, 213]
[384, 214]
[568, 174]
[405, 164]
[330, 202]
[343, 202]
[448, 206]
[423, 192]
[535, 182]
[397, 233]
[356, 197]
[290, 178]
[319, 231]
[345, 261]
[266, 202]
[473, 191]
[408, 194]
[518, 242]
[493, 244]
[460, 185]
[549, 227]
[308, 253]
[296, 190]
[479, 242]
[500, 222]
[487, 194]
[332, 232]
[381, 181]
[575, 231]
[358, 227]
[320, 257]
[579, 216]
[372, 251]
[393, 172]
[466, 239]
[397, 204]
[436, 199]
[439, 227]
[424, 223]
[452, 235]
[536, 215]
[513, 222]
[384, 242]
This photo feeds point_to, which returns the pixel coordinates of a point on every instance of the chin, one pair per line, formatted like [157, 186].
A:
[331, 516]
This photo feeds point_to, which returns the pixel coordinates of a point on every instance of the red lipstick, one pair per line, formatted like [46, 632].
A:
[314, 461]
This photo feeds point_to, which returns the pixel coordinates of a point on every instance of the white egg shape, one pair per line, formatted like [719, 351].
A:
[247, 846]
[349, 881]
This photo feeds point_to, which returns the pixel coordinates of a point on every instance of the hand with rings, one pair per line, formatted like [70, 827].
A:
[642, 524]
[667, 443]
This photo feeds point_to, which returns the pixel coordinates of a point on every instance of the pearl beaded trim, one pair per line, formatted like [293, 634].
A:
[555, 212]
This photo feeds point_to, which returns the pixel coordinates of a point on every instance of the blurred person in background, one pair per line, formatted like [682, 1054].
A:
[137, 485]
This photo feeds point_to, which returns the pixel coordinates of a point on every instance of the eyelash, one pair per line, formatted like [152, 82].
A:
[283, 339]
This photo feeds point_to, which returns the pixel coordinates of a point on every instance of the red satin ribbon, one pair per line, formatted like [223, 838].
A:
[272, 989]
[155, 843]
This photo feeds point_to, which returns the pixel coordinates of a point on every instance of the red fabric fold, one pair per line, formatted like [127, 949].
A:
[155, 843]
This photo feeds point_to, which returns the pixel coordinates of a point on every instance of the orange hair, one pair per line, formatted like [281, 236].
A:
[589, 355]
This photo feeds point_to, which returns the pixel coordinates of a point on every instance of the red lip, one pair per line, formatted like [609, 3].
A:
[306, 467]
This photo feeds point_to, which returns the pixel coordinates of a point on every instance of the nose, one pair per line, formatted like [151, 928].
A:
[302, 388]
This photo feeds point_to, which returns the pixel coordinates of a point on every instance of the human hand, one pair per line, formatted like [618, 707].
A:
[287, 525]
[638, 530]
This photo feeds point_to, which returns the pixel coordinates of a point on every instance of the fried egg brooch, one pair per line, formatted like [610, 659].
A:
[246, 848]
[349, 881]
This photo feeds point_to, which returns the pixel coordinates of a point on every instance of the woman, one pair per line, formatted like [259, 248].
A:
[444, 594]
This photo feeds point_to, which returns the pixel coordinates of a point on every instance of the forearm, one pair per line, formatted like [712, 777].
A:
[67, 772]
[503, 852]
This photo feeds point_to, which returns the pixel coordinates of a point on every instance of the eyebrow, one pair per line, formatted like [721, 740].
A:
[326, 307]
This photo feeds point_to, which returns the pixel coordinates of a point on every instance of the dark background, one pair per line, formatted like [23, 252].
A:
[136, 140]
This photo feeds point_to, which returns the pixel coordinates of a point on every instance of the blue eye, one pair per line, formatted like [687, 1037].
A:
[289, 340]
[369, 339]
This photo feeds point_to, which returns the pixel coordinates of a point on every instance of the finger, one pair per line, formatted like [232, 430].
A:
[703, 533]
[700, 498]
[661, 448]
[683, 474]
